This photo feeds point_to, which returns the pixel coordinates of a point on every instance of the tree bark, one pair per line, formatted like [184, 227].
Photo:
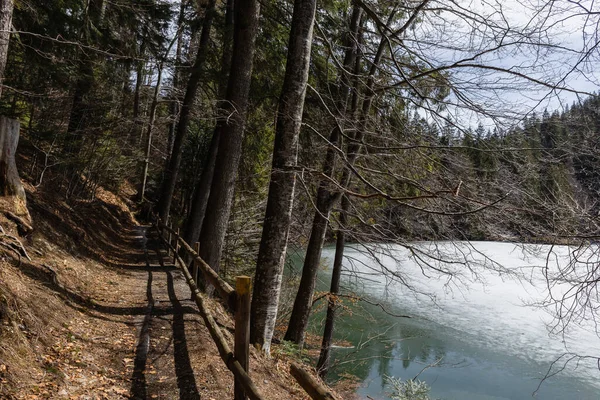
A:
[353, 150]
[278, 215]
[10, 184]
[231, 132]
[84, 83]
[139, 81]
[6, 10]
[303, 302]
[193, 225]
[78, 107]
[174, 106]
[227, 48]
[148, 149]
[334, 290]
[168, 188]
[196, 217]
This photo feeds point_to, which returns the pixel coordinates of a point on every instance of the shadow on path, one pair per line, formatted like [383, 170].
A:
[186, 381]
[138, 377]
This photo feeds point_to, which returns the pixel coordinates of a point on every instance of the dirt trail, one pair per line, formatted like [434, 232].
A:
[117, 323]
[161, 366]
[101, 312]
[174, 356]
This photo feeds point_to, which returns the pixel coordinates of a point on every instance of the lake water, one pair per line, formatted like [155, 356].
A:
[475, 334]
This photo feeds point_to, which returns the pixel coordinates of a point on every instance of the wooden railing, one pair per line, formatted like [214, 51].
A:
[315, 389]
[237, 300]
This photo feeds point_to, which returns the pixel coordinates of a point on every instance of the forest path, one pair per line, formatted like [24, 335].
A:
[136, 334]
[162, 366]
[175, 356]
[171, 340]
[118, 319]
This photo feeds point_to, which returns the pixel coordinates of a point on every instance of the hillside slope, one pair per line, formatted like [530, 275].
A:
[101, 313]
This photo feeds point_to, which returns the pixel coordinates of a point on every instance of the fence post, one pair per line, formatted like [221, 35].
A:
[195, 263]
[242, 328]
[176, 247]
[169, 239]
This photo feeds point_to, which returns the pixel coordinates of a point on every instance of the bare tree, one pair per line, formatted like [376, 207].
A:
[168, 187]
[276, 227]
[421, 68]
[6, 9]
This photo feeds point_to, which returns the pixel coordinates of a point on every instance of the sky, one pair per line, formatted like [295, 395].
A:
[551, 42]
[541, 39]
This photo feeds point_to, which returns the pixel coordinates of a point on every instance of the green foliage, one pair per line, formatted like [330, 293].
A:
[290, 350]
[410, 389]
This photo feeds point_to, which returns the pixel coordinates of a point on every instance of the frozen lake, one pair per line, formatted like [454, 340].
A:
[477, 329]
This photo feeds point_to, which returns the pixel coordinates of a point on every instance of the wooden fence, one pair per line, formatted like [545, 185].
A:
[237, 300]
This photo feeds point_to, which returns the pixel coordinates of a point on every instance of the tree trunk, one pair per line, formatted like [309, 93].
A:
[303, 302]
[231, 131]
[353, 151]
[334, 290]
[278, 215]
[10, 184]
[94, 14]
[227, 48]
[174, 106]
[139, 82]
[196, 218]
[148, 149]
[168, 189]
[6, 10]
[193, 225]
[78, 106]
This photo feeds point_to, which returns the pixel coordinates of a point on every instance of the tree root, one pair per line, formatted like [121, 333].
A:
[12, 243]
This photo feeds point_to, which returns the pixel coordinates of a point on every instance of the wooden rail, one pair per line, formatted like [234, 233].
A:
[237, 300]
[315, 389]
[225, 290]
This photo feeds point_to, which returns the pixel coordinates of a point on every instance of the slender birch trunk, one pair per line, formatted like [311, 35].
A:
[278, 215]
[302, 304]
[324, 203]
[6, 11]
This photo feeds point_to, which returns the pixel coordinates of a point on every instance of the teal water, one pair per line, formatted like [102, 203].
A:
[474, 339]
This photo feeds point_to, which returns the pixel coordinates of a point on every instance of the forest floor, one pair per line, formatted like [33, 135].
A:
[100, 312]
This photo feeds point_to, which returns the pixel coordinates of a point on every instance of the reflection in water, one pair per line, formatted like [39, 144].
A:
[483, 342]
[385, 359]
